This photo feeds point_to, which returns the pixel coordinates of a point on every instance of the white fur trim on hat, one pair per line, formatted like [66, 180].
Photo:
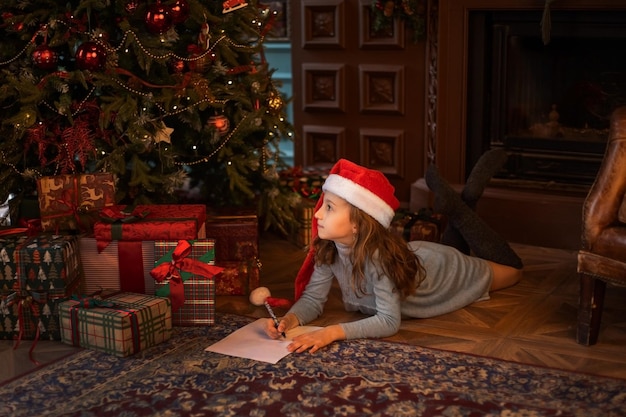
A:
[360, 197]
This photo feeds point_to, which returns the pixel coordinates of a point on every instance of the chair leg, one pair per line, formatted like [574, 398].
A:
[590, 308]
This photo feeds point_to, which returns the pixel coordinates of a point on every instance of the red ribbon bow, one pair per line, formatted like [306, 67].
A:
[180, 262]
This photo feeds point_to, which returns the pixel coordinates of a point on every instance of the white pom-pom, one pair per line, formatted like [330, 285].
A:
[259, 295]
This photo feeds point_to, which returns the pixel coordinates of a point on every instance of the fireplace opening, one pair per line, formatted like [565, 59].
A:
[548, 104]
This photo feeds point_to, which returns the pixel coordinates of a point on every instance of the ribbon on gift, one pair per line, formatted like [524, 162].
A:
[180, 262]
[27, 299]
[129, 253]
[31, 227]
[13, 231]
[92, 302]
[69, 199]
[117, 217]
[128, 215]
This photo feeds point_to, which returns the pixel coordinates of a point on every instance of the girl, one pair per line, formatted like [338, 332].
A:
[380, 274]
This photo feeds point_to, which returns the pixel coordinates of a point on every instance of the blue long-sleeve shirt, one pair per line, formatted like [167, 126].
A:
[453, 280]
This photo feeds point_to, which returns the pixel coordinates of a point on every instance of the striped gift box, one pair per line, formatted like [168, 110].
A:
[126, 324]
[104, 271]
[199, 307]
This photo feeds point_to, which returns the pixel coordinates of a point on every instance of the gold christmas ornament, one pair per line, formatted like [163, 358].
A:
[201, 85]
[275, 102]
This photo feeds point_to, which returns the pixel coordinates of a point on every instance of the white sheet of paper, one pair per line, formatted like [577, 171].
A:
[251, 342]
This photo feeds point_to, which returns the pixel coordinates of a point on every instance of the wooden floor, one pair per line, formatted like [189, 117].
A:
[532, 323]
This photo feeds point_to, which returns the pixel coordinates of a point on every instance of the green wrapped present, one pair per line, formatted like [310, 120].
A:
[37, 273]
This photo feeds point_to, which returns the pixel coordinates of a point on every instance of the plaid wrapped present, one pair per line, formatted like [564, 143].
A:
[423, 225]
[72, 202]
[199, 291]
[237, 278]
[37, 273]
[122, 324]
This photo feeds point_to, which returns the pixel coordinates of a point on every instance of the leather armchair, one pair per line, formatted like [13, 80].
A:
[602, 256]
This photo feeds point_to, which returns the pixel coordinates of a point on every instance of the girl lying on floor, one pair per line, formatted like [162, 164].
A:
[379, 273]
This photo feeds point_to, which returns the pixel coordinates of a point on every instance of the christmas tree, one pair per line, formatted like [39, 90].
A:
[174, 97]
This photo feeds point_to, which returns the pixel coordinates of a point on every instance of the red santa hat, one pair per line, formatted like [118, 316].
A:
[366, 189]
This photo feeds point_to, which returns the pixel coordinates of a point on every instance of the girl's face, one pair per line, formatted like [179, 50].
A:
[333, 220]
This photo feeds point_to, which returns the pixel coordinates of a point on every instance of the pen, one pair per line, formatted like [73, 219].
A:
[276, 322]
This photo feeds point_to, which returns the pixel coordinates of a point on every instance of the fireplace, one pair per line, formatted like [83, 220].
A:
[547, 104]
[493, 83]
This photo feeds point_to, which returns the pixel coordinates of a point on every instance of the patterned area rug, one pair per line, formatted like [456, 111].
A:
[361, 377]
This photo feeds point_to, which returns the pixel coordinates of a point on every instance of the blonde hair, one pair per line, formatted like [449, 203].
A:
[397, 261]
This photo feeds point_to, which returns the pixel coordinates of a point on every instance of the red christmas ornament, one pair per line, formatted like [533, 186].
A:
[90, 56]
[220, 123]
[45, 58]
[179, 11]
[176, 66]
[158, 18]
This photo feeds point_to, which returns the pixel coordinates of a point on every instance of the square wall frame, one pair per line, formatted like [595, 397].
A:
[323, 86]
[382, 89]
[383, 149]
[323, 24]
[323, 145]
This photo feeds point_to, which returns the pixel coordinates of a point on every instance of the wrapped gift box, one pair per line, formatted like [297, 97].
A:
[236, 236]
[152, 222]
[72, 202]
[36, 275]
[109, 269]
[305, 182]
[237, 278]
[304, 214]
[122, 324]
[126, 243]
[199, 307]
[423, 225]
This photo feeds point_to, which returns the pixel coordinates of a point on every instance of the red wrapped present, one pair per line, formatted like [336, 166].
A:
[38, 273]
[120, 324]
[423, 225]
[236, 236]
[237, 278]
[199, 290]
[151, 222]
[72, 202]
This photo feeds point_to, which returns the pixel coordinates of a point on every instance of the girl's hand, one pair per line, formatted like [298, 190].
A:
[288, 322]
[315, 340]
